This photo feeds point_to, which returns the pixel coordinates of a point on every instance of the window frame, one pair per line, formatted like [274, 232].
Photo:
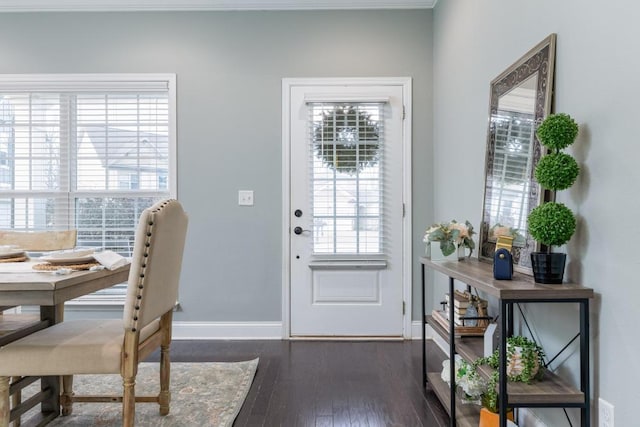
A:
[108, 83]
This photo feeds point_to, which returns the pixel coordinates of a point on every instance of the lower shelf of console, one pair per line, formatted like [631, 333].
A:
[467, 415]
[552, 390]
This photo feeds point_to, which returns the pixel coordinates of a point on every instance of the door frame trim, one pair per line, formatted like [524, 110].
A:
[287, 85]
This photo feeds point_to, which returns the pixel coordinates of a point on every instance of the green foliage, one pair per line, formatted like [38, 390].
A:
[552, 224]
[347, 139]
[532, 356]
[447, 247]
[451, 235]
[489, 398]
[557, 131]
[557, 171]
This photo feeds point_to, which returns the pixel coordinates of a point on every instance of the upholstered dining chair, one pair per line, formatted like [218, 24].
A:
[36, 241]
[40, 241]
[113, 346]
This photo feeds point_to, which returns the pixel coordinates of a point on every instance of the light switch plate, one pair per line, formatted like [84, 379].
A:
[245, 197]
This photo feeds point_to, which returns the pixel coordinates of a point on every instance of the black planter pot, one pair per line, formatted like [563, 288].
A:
[548, 267]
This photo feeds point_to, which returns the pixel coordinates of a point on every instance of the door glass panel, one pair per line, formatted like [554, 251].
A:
[347, 146]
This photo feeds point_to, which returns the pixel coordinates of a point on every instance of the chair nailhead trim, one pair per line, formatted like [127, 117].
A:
[149, 235]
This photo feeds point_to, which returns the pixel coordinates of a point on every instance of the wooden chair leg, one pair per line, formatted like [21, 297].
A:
[66, 399]
[16, 399]
[128, 401]
[164, 398]
[5, 409]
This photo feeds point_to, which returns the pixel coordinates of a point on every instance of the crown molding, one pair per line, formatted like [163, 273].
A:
[205, 5]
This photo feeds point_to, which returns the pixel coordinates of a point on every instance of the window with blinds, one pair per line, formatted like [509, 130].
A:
[347, 177]
[85, 151]
[514, 133]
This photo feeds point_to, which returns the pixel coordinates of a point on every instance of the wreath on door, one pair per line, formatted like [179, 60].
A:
[346, 139]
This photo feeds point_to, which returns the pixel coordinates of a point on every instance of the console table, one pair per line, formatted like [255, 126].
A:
[552, 391]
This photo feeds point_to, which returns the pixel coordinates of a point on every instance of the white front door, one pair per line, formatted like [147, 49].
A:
[346, 210]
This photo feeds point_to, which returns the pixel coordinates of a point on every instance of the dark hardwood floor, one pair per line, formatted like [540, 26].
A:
[328, 383]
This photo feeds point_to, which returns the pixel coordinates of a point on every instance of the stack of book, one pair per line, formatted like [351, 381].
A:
[461, 302]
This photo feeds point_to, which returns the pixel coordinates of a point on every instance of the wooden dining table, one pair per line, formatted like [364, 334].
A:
[21, 285]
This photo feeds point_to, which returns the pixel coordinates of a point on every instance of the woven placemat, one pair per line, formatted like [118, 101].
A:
[20, 258]
[53, 267]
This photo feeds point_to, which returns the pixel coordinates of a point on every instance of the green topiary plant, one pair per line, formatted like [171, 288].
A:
[557, 131]
[557, 171]
[551, 223]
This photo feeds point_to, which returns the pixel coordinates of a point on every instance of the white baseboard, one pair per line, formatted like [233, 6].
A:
[227, 331]
[416, 334]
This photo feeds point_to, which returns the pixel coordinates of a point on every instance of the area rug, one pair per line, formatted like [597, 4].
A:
[202, 394]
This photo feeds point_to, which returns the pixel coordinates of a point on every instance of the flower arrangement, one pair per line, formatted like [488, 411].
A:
[467, 379]
[499, 230]
[451, 236]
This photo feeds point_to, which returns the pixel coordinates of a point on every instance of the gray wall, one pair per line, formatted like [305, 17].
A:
[596, 82]
[230, 65]
[229, 68]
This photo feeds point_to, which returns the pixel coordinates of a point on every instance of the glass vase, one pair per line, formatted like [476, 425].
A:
[433, 252]
[461, 253]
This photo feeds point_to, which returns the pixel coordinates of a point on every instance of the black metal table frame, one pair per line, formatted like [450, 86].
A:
[506, 323]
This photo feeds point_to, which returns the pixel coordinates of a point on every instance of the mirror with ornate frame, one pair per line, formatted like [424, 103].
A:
[520, 99]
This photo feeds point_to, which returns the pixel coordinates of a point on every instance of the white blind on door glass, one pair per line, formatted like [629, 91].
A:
[347, 177]
[90, 159]
[514, 133]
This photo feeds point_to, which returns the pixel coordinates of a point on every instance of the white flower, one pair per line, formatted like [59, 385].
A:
[462, 229]
[466, 377]
[501, 231]
[450, 235]
[446, 371]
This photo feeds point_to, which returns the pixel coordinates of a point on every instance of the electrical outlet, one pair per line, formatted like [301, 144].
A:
[245, 197]
[605, 413]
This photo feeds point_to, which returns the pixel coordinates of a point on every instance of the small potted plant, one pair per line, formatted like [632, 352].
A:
[489, 416]
[524, 364]
[469, 384]
[453, 235]
[552, 223]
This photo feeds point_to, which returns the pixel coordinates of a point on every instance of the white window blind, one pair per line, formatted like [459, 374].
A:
[347, 177]
[514, 133]
[84, 152]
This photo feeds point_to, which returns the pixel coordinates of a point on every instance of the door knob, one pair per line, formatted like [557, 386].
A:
[299, 230]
